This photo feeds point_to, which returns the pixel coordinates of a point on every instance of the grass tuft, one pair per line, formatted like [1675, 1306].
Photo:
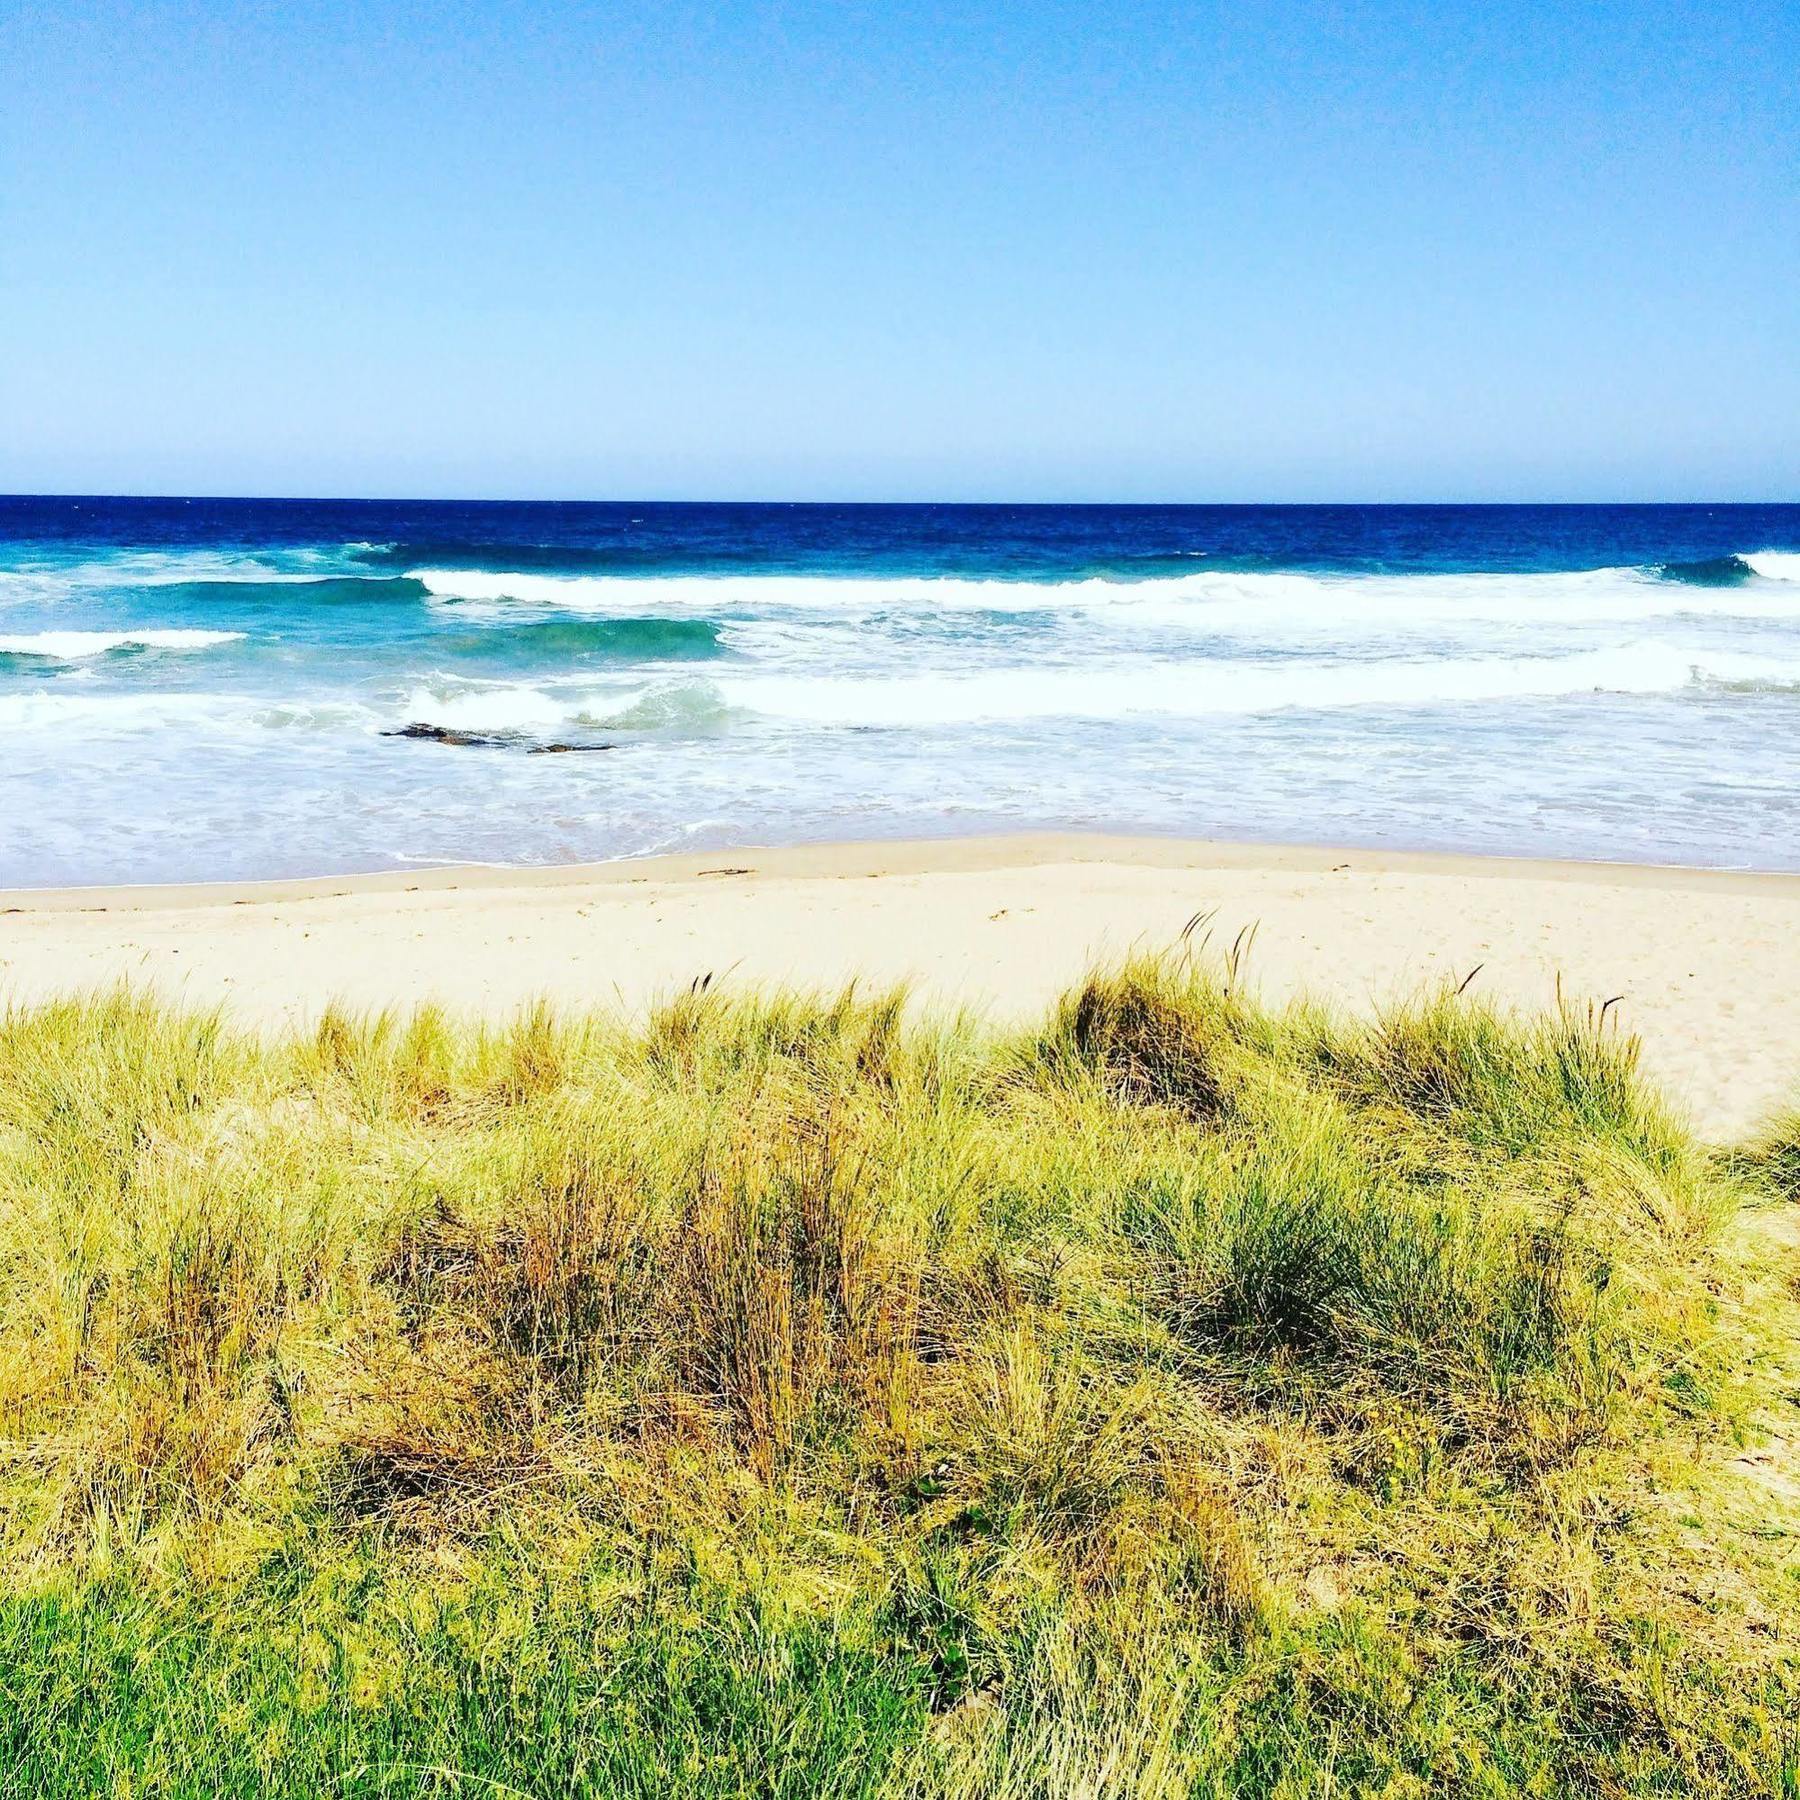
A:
[793, 1394]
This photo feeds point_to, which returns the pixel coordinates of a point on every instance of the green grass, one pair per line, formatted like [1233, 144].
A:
[802, 1396]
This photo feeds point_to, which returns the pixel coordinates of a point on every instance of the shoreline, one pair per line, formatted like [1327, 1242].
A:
[1706, 963]
[850, 858]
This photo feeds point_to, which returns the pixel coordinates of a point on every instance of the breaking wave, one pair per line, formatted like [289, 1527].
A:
[1191, 690]
[1710, 571]
[1775, 565]
[1726, 587]
[75, 646]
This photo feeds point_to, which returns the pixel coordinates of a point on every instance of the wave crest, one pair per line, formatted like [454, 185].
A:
[1729, 571]
[1189, 690]
[1775, 565]
[75, 646]
[1227, 599]
[1710, 571]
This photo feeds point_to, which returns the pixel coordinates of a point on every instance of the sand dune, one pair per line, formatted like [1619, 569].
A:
[1707, 964]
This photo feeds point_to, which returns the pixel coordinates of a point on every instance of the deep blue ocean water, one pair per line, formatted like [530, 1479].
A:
[213, 688]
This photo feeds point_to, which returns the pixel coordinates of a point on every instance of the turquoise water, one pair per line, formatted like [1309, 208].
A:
[213, 689]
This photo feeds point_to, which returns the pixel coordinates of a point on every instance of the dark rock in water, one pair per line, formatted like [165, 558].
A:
[485, 740]
[445, 734]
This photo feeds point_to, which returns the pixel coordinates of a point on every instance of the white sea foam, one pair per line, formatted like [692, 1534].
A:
[1214, 599]
[94, 711]
[73, 707]
[1228, 687]
[499, 708]
[51, 579]
[1775, 565]
[72, 646]
[1194, 689]
[312, 715]
[1197, 688]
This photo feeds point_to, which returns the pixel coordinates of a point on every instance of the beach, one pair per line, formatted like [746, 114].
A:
[1705, 965]
[900, 905]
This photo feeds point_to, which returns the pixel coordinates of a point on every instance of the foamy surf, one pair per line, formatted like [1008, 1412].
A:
[76, 646]
[1195, 690]
[1775, 565]
[1212, 690]
[126, 570]
[209, 689]
[1235, 600]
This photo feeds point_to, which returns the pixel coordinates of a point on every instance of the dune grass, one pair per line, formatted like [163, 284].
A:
[798, 1396]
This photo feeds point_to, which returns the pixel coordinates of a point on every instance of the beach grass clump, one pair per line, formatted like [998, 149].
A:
[800, 1394]
[1775, 1155]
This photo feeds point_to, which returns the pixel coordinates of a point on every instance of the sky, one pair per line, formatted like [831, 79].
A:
[1286, 251]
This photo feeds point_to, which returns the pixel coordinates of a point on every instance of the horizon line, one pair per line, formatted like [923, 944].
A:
[299, 499]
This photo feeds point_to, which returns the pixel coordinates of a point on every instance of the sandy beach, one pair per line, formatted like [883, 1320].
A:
[1707, 965]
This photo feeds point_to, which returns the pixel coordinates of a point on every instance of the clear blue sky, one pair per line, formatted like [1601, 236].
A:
[1059, 251]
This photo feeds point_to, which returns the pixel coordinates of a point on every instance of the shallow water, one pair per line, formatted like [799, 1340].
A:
[201, 688]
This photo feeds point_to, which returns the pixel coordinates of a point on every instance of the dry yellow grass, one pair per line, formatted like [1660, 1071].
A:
[797, 1396]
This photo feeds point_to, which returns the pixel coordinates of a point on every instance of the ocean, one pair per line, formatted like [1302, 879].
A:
[240, 689]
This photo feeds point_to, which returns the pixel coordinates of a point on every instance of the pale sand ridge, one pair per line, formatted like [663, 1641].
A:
[1708, 964]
